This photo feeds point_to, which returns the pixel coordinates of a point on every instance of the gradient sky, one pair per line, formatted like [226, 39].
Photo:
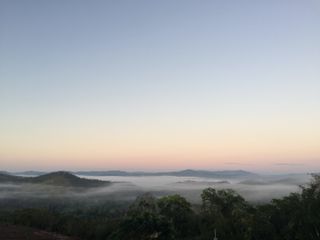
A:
[147, 85]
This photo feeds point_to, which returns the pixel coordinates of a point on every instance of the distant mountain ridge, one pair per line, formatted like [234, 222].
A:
[61, 178]
[182, 173]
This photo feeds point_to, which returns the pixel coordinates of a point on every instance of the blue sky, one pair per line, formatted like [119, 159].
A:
[100, 70]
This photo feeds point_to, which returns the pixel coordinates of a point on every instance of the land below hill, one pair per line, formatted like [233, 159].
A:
[14, 232]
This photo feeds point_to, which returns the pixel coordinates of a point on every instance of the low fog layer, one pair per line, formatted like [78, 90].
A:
[260, 189]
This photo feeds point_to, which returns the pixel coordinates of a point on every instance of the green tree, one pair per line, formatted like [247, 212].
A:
[226, 211]
[297, 216]
[144, 222]
[177, 210]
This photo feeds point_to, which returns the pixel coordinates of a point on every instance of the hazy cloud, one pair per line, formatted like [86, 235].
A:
[289, 164]
[233, 163]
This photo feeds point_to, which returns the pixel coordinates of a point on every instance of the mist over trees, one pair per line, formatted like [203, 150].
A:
[295, 217]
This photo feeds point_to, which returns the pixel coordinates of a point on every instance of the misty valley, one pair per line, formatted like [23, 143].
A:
[167, 120]
[128, 185]
[185, 204]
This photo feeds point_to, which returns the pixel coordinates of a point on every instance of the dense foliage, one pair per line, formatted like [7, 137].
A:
[295, 217]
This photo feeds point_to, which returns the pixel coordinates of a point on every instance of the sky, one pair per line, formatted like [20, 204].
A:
[160, 85]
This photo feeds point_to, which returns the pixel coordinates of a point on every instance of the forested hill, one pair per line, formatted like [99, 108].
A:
[61, 178]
